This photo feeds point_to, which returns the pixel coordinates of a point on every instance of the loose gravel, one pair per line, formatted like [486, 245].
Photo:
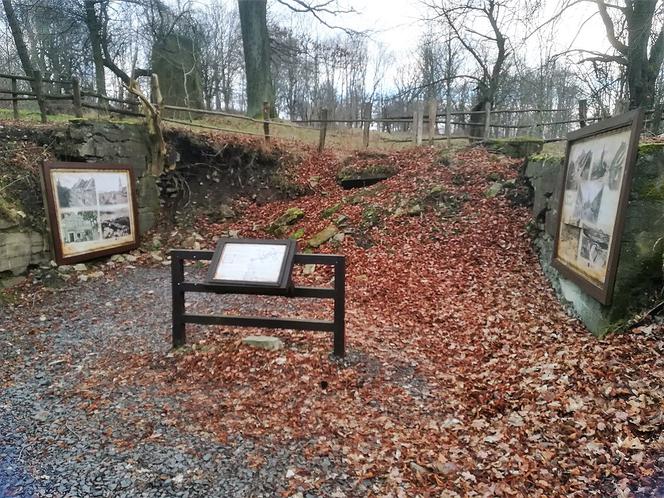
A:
[53, 443]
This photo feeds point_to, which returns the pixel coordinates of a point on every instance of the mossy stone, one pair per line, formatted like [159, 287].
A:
[328, 212]
[289, 217]
[323, 236]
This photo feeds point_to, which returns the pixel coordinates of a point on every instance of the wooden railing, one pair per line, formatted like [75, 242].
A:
[76, 95]
[412, 127]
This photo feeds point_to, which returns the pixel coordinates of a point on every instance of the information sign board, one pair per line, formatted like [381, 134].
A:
[245, 262]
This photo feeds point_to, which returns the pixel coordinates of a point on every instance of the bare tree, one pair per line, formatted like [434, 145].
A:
[221, 58]
[256, 43]
[480, 27]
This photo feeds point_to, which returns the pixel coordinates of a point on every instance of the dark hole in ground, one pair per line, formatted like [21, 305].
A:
[350, 183]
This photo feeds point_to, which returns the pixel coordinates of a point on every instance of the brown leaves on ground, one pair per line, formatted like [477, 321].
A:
[464, 377]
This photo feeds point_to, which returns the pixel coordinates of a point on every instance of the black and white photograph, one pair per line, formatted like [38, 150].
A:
[79, 226]
[590, 200]
[594, 246]
[91, 207]
[115, 223]
[597, 175]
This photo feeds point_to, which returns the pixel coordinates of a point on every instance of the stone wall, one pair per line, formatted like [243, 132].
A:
[640, 276]
[20, 247]
[122, 143]
[24, 239]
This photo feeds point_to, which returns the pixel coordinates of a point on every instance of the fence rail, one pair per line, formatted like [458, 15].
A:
[76, 96]
[471, 124]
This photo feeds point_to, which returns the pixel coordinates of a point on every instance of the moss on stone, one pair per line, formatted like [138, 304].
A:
[651, 147]
[372, 215]
[290, 216]
[544, 158]
[10, 210]
[516, 147]
[323, 236]
[329, 211]
[297, 234]
[653, 191]
[494, 176]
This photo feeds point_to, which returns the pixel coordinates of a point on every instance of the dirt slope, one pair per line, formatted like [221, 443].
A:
[464, 376]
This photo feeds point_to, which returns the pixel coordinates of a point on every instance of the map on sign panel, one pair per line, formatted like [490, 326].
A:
[251, 263]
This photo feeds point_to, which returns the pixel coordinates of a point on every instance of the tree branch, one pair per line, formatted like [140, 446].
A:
[610, 28]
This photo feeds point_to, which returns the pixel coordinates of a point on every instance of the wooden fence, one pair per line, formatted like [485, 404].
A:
[70, 92]
[455, 123]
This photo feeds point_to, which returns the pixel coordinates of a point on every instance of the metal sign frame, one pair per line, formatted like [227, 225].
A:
[338, 293]
[285, 272]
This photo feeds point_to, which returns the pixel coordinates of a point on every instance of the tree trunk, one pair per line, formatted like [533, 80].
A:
[94, 28]
[478, 119]
[256, 45]
[21, 48]
[639, 26]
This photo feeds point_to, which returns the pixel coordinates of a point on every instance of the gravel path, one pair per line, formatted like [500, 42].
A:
[55, 442]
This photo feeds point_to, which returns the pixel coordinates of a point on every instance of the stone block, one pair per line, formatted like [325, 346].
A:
[146, 219]
[263, 342]
[96, 141]
[6, 223]
[15, 252]
[323, 236]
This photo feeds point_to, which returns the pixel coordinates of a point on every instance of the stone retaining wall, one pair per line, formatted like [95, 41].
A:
[640, 276]
[24, 239]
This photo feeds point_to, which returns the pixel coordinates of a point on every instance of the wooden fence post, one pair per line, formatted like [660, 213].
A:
[14, 95]
[414, 128]
[76, 96]
[448, 119]
[433, 109]
[366, 123]
[155, 91]
[266, 120]
[323, 129]
[656, 119]
[418, 117]
[583, 112]
[39, 90]
[539, 127]
[487, 120]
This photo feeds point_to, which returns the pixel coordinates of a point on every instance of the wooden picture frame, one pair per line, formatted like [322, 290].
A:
[594, 194]
[252, 263]
[91, 209]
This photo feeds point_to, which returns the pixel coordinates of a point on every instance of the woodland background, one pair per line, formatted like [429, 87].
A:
[226, 55]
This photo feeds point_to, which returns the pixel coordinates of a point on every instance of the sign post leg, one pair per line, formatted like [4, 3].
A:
[340, 307]
[177, 278]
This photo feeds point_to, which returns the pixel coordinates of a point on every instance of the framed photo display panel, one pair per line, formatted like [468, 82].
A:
[91, 208]
[594, 196]
[252, 263]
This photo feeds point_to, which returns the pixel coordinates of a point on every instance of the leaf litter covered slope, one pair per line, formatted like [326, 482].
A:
[464, 375]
